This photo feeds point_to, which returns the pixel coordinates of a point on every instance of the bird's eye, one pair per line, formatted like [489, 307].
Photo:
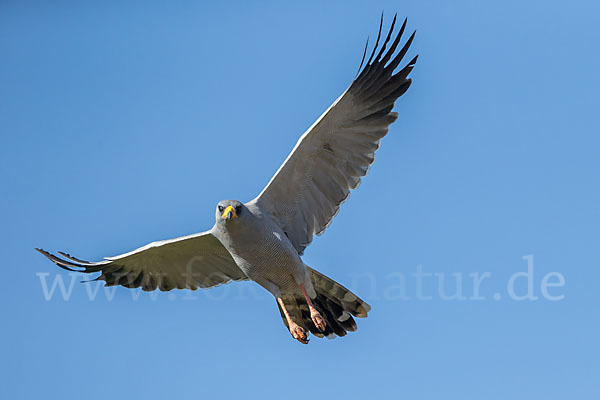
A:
[221, 208]
[238, 210]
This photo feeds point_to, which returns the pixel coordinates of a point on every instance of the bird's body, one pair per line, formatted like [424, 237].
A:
[262, 250]
[263, 240]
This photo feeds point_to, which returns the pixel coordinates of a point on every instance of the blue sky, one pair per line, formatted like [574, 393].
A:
[114, 122]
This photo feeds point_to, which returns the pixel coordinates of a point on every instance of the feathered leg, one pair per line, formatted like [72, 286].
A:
[296, 330]
[316, 317]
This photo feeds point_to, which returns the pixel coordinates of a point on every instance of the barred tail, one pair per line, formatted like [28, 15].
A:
[335, 303]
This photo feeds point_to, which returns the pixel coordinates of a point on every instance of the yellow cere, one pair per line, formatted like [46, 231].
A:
[227, 210]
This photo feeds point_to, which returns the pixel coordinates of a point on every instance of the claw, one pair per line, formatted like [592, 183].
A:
[299, 333]
[318, 320]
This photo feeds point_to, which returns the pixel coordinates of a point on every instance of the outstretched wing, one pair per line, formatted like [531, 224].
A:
[335, 153]
[188, 262]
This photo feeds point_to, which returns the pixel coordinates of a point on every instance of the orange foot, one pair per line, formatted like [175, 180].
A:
[318, 320]
[299, 333]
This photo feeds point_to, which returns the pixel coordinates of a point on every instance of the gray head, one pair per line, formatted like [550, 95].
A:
[229, 211]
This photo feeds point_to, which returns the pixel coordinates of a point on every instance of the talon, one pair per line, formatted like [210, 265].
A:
[299, 333]
[319, 321]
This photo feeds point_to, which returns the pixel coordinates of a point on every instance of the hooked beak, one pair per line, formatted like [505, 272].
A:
[229, 213]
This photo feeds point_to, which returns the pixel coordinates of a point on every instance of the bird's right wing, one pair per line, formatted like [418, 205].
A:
[188, 262]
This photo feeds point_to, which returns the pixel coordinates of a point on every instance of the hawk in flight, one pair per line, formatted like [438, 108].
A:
[263, 240]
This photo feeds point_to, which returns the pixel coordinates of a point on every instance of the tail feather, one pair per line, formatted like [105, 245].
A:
[349, 301]
[336, 304]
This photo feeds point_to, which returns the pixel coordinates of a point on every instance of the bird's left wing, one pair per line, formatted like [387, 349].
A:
[188, 262]
[336, 151]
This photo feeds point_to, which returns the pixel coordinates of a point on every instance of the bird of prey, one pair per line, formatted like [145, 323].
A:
[263, 240]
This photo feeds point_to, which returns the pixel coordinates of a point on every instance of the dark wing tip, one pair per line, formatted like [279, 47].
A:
[387, 40]
[376, 41]
[75, 259]
[363, 58]
[375, 56]
[68, 262]
[43, 252]
[413, 61]
[56, 260]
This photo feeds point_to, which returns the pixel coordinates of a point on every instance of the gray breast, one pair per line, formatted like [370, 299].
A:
[262, 251]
